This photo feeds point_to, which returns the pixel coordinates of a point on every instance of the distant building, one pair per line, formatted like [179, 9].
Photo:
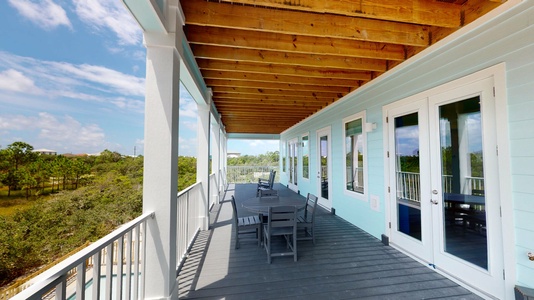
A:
[45, 151]
[233, 154]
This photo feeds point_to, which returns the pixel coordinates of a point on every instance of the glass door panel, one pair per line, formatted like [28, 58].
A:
[464, 204]
[293, 162]
[407, 172]
[324, 168]
[323, 148]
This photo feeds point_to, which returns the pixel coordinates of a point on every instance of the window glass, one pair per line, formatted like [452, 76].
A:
[354, 156]
[305, 157]
[284, 154]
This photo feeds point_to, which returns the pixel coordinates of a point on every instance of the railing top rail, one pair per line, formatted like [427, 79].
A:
[53, 274]
[403, 172]
[188, 189]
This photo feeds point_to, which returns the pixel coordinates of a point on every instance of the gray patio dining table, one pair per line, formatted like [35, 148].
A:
[256, 205]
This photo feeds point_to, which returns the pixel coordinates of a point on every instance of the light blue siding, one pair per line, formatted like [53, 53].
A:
[509, 39]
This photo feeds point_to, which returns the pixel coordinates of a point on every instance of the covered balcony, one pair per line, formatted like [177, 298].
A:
[333, 81]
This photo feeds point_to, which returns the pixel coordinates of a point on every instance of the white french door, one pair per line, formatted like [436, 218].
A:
[444, 183]
[293, 164]
[324, 168]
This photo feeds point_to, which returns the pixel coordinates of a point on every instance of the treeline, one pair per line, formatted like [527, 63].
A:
[58, 224]
[23, 169]
[89, 203]
[267, 159]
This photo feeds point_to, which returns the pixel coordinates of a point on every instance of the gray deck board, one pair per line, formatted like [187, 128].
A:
[345, 263]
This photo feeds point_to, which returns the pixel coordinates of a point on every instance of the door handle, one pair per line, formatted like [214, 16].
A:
[435, 202]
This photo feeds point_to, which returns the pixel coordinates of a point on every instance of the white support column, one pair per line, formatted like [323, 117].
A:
[215, 164]
[203, 136]
[224, 144]
[161, 164]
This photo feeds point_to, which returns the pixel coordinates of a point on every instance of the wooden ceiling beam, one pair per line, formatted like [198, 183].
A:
[274, 115]
[203, 13]
[279, 98]
[230, 75]
[409, 11]
[207, 64]
[256, 119]
[281, 102]
[278, 86]
[225, 90]
[294, 59]
[292, 43]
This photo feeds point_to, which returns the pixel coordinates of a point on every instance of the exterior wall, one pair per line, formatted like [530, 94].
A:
[508, 38]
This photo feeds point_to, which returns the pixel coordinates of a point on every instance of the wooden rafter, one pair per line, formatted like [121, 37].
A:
[276, 62]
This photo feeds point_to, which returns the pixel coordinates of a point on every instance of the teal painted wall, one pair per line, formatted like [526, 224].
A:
[508, 38]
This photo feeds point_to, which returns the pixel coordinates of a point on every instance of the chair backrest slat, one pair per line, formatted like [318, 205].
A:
[268, 194]
[311, 204]
[282, 216]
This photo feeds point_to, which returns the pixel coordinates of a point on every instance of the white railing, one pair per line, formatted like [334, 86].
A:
[82, 274]
[118, 256]
[354, 179]
[475, 185]
[409, 188]
[247, 174]
[189, 219]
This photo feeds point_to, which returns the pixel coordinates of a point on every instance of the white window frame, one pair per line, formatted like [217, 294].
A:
[301, 156]
[360, 196]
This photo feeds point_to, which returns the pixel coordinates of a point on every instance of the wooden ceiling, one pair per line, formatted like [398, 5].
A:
[272, 63]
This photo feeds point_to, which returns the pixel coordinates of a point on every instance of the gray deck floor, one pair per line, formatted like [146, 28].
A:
[345, 263]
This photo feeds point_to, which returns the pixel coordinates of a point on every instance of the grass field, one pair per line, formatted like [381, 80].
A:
[17, 201]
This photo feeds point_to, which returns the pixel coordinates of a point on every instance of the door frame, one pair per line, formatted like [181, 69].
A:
[498, 74]
[423, 248]
[325, 203]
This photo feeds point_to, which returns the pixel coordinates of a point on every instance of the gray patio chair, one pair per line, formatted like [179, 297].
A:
[282, 222]
[246, 225]
[307, 220]
[268, 194]
[264, 184]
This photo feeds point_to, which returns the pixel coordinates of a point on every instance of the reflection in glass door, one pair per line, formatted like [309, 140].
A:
[444, 177]
[462, 168]
[408, 191]
[324, 167]
[293, 164]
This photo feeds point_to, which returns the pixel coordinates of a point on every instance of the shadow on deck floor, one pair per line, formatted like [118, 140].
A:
[345, 263]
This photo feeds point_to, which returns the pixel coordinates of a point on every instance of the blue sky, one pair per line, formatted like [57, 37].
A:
[72, 79]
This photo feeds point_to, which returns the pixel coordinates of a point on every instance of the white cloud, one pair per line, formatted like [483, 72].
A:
[120, 82]
[61, 133]
[187, 146]
[65, 80]
[263, 143]
[15, 81]
[109, 15]
[44, 13]
[193, 126]
[188, 106]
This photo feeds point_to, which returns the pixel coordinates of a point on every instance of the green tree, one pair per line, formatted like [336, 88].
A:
[14, 156]
[187, 172]
[79, 168]
[26, 180]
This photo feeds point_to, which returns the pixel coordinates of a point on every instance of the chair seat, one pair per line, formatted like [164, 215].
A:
[246, 225]
[247, 221]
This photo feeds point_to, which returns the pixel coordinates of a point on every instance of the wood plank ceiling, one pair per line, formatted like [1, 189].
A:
[272, 63]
